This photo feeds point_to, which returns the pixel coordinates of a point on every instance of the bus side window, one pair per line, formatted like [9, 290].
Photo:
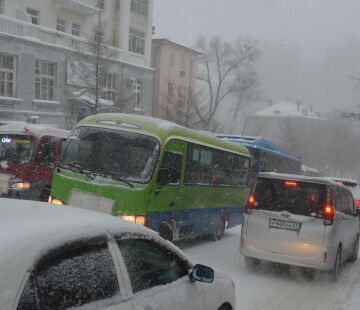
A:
[47, 152]
[171, 166]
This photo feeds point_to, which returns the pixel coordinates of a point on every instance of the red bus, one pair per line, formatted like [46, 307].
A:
[28, 154]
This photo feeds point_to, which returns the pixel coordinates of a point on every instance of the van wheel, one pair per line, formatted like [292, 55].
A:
[166, 231]
[354, 256]
[220, 230]
[335, 272]
[252, 263]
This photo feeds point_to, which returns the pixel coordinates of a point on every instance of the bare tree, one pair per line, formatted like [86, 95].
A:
[89, 79]
[246, 92]
[219, 64]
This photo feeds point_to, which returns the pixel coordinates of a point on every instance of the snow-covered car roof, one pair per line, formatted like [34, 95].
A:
[36, 130]
[29, 228]
[300, 178]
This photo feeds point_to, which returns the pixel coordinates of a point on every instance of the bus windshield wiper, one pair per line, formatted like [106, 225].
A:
[115, 177]
[81, 170]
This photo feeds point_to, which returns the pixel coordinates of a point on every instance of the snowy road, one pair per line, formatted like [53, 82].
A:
[274, 289]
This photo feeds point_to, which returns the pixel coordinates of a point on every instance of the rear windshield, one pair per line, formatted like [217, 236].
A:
[302, 198]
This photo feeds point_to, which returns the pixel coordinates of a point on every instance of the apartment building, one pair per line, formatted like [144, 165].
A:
[174, 81]
[59, 59]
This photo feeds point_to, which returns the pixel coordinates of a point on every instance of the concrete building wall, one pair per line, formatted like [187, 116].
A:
[29, 43]
[167, 59]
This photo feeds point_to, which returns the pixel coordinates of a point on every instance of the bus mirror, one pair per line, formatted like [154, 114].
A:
[164, 176]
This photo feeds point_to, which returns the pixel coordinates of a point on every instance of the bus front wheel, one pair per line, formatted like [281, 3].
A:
[166, 231]
[220, 229]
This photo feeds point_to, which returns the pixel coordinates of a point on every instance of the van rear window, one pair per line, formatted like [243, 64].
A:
[302, 198]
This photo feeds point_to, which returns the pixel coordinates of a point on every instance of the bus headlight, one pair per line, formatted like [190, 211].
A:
[20, 185]
[55, 201]
[137, 219]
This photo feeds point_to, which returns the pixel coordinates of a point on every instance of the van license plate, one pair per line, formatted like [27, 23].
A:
[279, 224]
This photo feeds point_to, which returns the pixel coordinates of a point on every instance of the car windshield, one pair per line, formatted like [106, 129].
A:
[16, 148]
[302, 198]
[114, 153]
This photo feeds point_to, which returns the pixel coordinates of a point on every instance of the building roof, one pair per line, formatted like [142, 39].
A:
[289, 109]
[167, 41]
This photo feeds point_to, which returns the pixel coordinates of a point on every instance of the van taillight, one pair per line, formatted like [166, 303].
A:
[357, 203]
[328, 209]
[251, 200]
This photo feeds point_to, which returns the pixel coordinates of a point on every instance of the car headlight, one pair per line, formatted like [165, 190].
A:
[137, 219]
[55, 201]
[20, 185]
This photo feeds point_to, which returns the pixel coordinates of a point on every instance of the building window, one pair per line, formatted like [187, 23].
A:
[140, 7]
[191, 66]
[33, 15]
[137, 92]
[45, 80]
[170, 89]
[182, 65]
[172, 60]
[136, 41]
[2, 6]
[75, 30]
[181, 92]
[61, 25]
[7, 75]
[110, 85]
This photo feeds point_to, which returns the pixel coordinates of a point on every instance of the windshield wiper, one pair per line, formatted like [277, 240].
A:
[81, 170]
[115, 177]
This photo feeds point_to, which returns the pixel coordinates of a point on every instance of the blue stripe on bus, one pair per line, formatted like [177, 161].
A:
[196, 222]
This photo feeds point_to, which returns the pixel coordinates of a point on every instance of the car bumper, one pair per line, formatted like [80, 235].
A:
[323, 261]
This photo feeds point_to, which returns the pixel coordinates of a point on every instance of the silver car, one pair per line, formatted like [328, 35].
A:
[309, 222]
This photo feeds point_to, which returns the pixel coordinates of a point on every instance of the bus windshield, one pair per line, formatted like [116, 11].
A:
[113, 153]
[16, 149]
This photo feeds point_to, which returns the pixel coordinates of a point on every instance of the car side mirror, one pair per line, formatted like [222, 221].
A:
[202, 273]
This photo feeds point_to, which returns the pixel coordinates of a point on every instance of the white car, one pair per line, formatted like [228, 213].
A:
[56, 258]
[354, 188]
[309, 222]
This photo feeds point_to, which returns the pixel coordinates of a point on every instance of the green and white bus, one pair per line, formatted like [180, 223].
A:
[174, 180]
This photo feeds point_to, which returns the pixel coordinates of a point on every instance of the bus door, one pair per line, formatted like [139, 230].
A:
[167, 203]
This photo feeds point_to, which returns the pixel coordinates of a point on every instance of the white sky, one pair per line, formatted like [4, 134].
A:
[295, 37]
[310, 24]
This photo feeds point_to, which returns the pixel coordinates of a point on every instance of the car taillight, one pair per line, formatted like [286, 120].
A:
[328, 209]
[251, 200]
[291, 183]
[357, 203]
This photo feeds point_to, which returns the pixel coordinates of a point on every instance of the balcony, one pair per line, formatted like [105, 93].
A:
[83, 7]
[43, 35]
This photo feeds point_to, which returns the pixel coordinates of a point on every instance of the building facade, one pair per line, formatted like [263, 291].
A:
[174, 81]
[59, 59]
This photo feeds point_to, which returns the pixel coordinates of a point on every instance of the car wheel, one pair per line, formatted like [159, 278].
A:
[220, 230]
[335, 272]
[252, 263]
[354, 256]
[308, 273]
[225, 307]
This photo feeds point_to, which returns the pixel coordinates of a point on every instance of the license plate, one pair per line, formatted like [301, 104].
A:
[286, 225]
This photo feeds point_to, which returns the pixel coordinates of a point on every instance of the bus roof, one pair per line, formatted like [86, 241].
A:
[261, 143]
[159, 128]
[32, 129]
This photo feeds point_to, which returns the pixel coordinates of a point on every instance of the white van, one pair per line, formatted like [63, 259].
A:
[303, 221]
